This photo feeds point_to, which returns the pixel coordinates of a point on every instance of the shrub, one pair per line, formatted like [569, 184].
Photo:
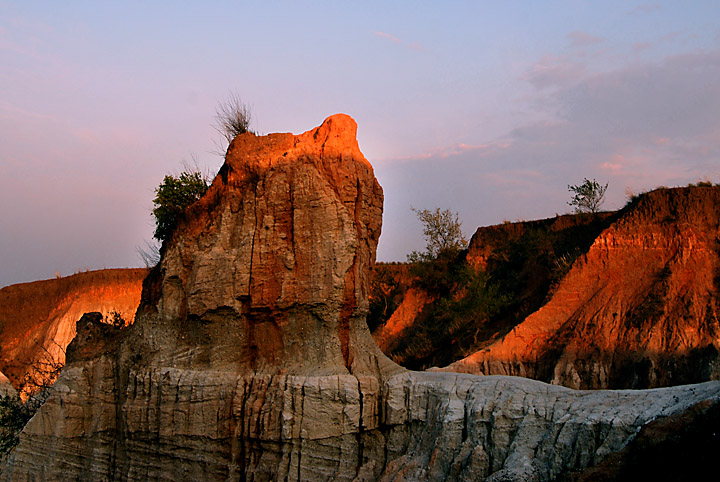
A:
[172, 197]
[115, 319]
[232, 118]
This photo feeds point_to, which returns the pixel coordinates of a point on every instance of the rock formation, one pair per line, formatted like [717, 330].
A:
[37, 320]
[250, 358]
[639, 309]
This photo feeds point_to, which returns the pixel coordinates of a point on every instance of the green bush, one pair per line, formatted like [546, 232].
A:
[172, 197]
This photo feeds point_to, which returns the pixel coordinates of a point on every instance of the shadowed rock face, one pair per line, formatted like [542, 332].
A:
[250, 359]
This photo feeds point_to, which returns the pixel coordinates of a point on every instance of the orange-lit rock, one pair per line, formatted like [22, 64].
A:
[283, 241]
[640, 309]
[37, 319]
[412, 303]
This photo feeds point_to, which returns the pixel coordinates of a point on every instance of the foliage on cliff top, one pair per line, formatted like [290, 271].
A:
[443, 235]
[232, 117]
[588, 196]
[172, 197]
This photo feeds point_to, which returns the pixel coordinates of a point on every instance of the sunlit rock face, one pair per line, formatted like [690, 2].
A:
[407, 312]
[37, 319]
[640, 309]
[250, 359]
[282, 243]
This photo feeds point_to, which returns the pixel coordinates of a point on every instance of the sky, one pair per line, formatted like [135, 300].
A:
[489, 109]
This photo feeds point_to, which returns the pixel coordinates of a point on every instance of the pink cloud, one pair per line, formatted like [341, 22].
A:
[640, 46]
[645, 8]
[553, 71]
[670, 37]
[610, 166]
[394, 39]
[615, 164]
[453, 150]
[582, 39]
[15, 111]
[515, 177]
[388, 36]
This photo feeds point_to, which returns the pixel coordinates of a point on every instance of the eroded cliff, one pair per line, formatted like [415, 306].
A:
[457, 307]
[37, 319]
[250, 358]
[639, 309]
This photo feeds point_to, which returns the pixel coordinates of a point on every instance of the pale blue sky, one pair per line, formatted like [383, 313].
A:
[487, 108]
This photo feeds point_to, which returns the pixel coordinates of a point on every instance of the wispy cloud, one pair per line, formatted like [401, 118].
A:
[554, 71]
[445, 152]
[645, 8]
[637, 127]
[641, 46]
[583, 39]
[667, 38]
[15, 111]
[394, 39]
[388, 36]
[522, 178]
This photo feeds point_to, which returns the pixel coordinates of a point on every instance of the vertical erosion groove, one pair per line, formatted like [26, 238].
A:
[361, 429]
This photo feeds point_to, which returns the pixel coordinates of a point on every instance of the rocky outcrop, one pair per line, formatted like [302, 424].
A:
[37, 319]
[250, 358]
[191, 424]
[640, 309]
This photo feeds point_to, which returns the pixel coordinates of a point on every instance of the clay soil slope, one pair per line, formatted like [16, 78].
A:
[37, 319]
[639, 309]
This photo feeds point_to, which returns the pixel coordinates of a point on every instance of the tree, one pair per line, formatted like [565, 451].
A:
[13, 417]
[588, 196]
[232, 118]
[172, 197]
[435, 269]
[442, 232]
[149, 254]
